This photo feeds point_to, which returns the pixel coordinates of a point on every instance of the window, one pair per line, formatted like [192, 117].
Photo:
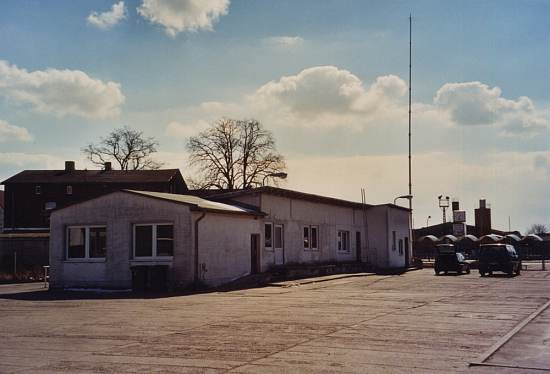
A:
[393, 240]
[279, 239]
[400, 246]
[343, 241]
[86, 242]
[314, 233]
[37, 190]
[268, 236]
[154, 240]
[50, 205]
[310, 237]
[165, 240]
[69, 190]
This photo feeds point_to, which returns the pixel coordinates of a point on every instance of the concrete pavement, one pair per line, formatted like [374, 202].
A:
[380, 324]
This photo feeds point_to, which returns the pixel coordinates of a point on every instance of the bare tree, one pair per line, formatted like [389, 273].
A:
[538, 229]
[234, 154]
[126, 147]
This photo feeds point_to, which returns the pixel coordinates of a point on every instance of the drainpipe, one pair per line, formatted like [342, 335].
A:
[197, 246]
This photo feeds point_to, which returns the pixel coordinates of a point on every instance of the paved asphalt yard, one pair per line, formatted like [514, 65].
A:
[415, 322]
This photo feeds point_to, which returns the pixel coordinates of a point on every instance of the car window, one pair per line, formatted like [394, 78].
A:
[460, 257]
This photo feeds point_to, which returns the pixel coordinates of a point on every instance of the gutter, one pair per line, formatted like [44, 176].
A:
[197, 246]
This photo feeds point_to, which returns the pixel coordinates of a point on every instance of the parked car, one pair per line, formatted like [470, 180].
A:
[449, 260]
[498, 257]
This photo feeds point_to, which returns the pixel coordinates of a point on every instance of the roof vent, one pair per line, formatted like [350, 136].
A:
[69, 166]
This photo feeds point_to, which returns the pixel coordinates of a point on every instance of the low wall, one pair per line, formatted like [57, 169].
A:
[23, 252]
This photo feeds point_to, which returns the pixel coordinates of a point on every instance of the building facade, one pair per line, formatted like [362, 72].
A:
[31, 195]
[100, 242]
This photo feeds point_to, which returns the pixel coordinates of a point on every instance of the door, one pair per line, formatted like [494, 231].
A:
[358, 245]
[254, 253]
[407, 253]
[278, 244]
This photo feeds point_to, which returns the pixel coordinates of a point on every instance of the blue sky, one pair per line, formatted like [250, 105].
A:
[480, 75]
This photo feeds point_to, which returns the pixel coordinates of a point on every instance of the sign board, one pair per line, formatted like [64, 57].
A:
[459, 216]
[459, 229]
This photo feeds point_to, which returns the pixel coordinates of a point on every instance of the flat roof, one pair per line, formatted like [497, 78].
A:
[293, 195]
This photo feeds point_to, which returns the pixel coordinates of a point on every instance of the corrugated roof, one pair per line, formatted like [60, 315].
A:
[197, 202]
[93, 176]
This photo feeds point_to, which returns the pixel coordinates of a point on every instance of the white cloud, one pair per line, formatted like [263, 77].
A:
[185, 130]
[31, 160]
[284, 41]
[328, 90]
[10, 132]
[475, 103]
[183, 15]
[108, 19]
[61, 92]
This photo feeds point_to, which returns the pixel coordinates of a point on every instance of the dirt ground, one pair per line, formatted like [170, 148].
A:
[415, 322]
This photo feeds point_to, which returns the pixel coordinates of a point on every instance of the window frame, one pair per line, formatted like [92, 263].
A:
[86, 257]
[401, 245]
[38, 189]
[68, 189]
[343, 241]
[275, 226]
[269, 248]
[154, 255]
[309, 229]
[394, 240]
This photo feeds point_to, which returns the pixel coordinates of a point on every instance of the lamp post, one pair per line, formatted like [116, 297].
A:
[428, 220]
[444, 203]
[281, 175]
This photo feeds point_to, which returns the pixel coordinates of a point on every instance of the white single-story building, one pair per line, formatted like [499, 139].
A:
[107, 241]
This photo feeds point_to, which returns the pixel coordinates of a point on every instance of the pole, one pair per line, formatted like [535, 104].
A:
[410, 172]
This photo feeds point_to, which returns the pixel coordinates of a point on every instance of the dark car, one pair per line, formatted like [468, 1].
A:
[448, 260]
[498, 257]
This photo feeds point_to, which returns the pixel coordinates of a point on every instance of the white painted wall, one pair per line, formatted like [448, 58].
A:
[118, 211]
[224, 242]
[294, 214]
[225, 246]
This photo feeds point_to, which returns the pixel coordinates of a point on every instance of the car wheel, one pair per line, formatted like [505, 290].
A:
[459, 271]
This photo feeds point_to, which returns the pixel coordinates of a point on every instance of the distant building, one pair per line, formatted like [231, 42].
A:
[31, 195]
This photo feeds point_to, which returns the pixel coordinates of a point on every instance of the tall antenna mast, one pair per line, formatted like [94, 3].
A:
[410, 83]
[409, 250]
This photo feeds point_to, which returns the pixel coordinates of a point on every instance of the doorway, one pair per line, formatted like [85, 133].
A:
[254, 253]
[358, 245]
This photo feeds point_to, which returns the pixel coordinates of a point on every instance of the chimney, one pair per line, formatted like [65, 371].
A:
[483, 218]
[456, 205]
[69, 166]
[107, 166]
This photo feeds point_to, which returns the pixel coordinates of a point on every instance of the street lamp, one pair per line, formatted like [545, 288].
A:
[281, 175]
[444, 203]
[408, 197]
[428, 220]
